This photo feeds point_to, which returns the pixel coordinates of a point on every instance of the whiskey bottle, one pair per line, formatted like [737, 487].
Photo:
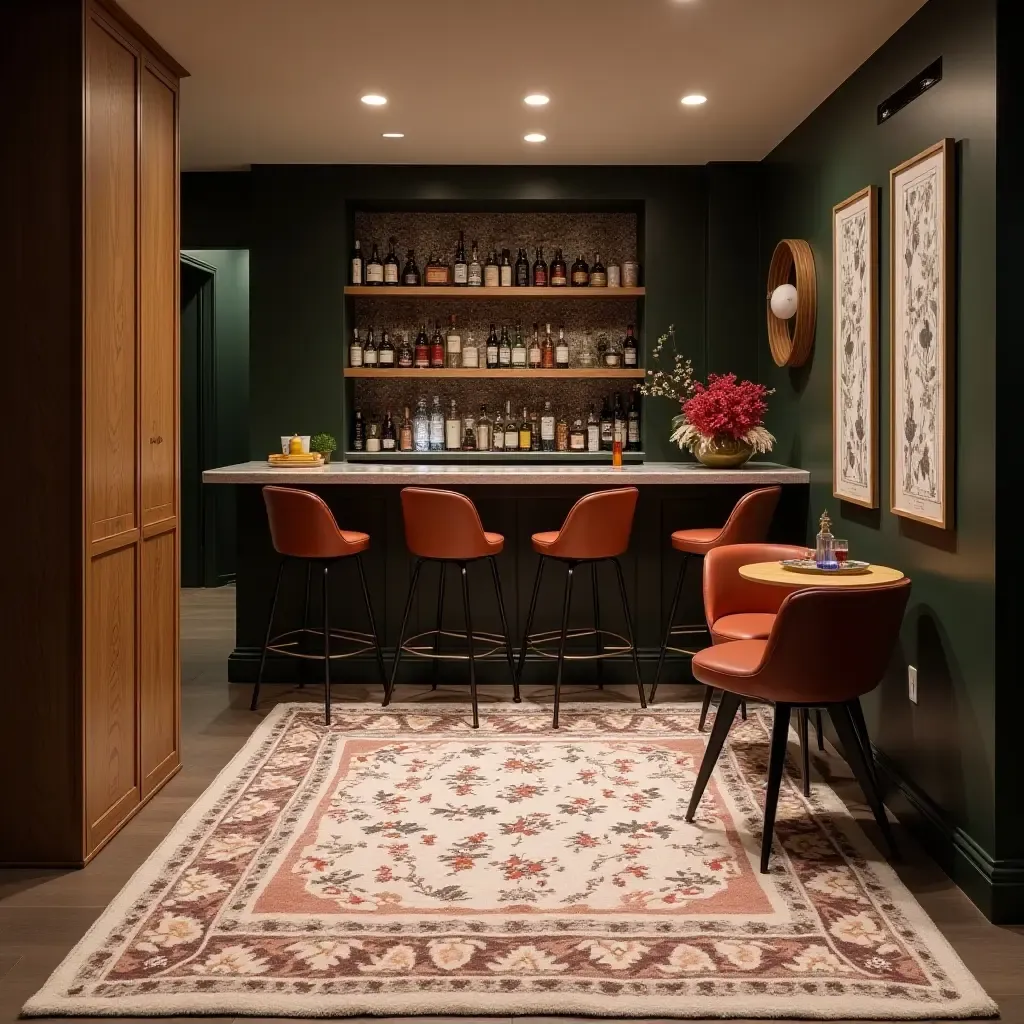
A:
[386, 351]
[619, 416]
[547, 428]
[577, 436]
[453, 346]
[388, 440]
[580, 273]
[505, 270]
[391, 264]
[607, 427]
[469, 433]
[522, 275]
[357, 263]
[374, 268]
[359, 433]
[525, 432]
[405, 443]
[470, 353]
[633, 424]
[540, 270]
[355, 350]
[475, 273]
[421, 427]
[559, 277]
[498, 433]
[547, 354]
[612, 353]
[535, 355]
[435, 437]
[411, 272]
[593, 431]
[511, 428]
[629, 349]
[534, 432]
[421, 354]
[562, 351]
[370, 350]
[561, 433]
[437, 348]
[405, 352]
[492, 350]
[460, 269]
[373, 435]
[504, 349]
[519, 350]
[484, 431]
[437, 272]
[598, 275]
[452, 429]
[492, 272]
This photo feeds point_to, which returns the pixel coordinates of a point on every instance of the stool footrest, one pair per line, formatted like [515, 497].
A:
[285, 643]
[535, 642]
[497, 646]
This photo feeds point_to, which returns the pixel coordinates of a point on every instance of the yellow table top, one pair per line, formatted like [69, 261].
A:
[772, 572]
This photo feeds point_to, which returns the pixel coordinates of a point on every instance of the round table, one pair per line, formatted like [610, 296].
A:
[773, 573]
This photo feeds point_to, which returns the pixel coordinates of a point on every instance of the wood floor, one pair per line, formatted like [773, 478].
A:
[43, 913]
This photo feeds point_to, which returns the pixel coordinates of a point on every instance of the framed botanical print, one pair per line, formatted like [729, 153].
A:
[922, 336]
[855, 348]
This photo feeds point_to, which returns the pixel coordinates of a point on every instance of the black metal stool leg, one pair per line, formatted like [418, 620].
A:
[327, 655]
[469, 637]
[819, 729]
[401, 632]
[266, 638]
[561, 641]
[776, 759]
[629, 633]
[529, 617]
[805, 754]
[373, 626]
[305, 621]
[671, 619]
[440, 619]
[597, 625]
[504, 630]
[705, 707]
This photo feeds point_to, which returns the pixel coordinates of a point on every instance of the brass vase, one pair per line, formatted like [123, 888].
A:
[722, 452]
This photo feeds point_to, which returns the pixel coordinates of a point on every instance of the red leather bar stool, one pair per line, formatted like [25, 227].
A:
[800, 666]
[444, 527]
[303, 529]
[747, 524]
[597, 529]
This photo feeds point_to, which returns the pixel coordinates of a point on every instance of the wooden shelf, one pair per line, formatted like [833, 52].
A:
[532, 458]
[451, 292]
[577, 374]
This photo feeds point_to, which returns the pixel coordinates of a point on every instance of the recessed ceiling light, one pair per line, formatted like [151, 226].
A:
[537, 99]
[695, 99]
[371, 99]
[393, 135]
[534, 137]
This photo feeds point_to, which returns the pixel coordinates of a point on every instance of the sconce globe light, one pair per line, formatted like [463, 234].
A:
[784, 301]
[792, 304]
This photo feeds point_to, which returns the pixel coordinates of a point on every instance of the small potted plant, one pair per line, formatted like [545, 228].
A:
[722, 423]
[324, 444]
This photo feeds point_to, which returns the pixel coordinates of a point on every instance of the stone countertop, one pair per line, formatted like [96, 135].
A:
[481, 473]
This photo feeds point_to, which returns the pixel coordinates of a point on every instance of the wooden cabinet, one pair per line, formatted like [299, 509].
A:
[94, 722]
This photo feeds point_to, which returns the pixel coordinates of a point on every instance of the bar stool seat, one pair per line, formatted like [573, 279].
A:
[696, 542]
[542, 541]
[742, 626]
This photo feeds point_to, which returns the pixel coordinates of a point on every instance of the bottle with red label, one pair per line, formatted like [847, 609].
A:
[540, 270]
[437, 348]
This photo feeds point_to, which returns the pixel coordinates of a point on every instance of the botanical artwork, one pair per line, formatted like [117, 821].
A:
[855, 349]
[399, 862]
[920, 227]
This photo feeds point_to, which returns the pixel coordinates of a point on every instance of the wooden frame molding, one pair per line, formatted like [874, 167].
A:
[793, 259]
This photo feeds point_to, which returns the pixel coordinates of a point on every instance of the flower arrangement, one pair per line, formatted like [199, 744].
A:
[724, 411]
[676, 382]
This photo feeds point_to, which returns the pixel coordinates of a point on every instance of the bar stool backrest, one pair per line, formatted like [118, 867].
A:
[597, 526]
[750, 517]
[442, 524]
[301, 524]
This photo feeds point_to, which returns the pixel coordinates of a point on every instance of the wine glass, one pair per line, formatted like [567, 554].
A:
[842, 551]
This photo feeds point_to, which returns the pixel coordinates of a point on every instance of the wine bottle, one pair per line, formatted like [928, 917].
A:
[355, 350]
[421, 354]
[580, 273]
[559, 277]
[370, 350]
[391, 264]
[492, 272]
[519, 350]
[405, 352]
[453, 346]
[386, 351]
[562, 351]
[547, 428]
[437, 348]
[535, 354]
[511, 428]
[633, 424]
[411, 272]
[598, 275]
[357, 263]
[522, 275]
[475, 273]
[388, 440]
[525, 432]
[492, 349]
[460, 269]
[540, 270]
[504, 349]
[593, 431]
[547, 354]
[359, 433]
[629, 349]
[505, 270]
[374, 268]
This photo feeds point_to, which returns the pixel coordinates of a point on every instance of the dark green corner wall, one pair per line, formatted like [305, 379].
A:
[942, 752]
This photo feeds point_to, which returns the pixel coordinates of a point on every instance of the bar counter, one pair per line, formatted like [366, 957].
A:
[515, 500]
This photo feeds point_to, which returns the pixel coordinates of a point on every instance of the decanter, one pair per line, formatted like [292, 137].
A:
[824, 549]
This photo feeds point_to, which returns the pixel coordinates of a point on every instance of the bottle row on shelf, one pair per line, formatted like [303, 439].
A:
[438, 430]
[496, 271]
[508, 350]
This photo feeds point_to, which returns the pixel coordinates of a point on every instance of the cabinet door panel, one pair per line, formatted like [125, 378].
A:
[159, 659]
[111, 779]
[159, 313]
[110, 287]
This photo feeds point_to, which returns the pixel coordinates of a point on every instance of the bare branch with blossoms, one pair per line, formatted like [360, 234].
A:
[676, 381]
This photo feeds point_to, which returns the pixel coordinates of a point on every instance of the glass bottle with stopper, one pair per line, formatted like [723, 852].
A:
[824, 549]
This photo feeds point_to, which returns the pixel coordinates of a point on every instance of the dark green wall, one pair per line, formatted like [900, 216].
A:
[943, 750]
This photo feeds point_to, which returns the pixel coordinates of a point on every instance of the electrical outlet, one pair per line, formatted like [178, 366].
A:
[912, 683]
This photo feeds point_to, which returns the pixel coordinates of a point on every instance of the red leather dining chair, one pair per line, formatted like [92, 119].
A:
[800, 666]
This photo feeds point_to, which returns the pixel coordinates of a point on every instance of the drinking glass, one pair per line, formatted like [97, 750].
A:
[842, 550]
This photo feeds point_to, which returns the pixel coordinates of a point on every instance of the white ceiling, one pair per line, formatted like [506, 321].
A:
[279, 81]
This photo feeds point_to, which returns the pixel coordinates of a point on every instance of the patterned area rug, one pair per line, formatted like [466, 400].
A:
[401, 863]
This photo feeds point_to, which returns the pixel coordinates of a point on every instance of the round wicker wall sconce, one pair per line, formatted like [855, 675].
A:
[792, 311]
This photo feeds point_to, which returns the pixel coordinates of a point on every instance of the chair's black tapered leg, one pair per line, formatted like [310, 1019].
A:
[857, 714]
[597, 625]
[705, 706]
[723, 723]
[441, 566]
[671, 619]
[629, 633]
[469, 638]
[805, 754]
[504, 630]
[305, 623]
[529, 617]
[327, 655]
[819, 729]
[776, 762]
[266, 638]
[844, 719]
[743, 710]
[561, 642]
[373, 626]
[401, 632]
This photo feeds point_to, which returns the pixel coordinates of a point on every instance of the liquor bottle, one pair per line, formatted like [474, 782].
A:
[547, 428]
[470, 353]
[613, 353]
[469, 433]
[405, 351]
[355, 350]
[492, 349]
[386, 351]
[547, 354]
[511, 428]
[453, 346]
[593, 431]
[534, 432]
[475, 273]
[629, 349]
[484, 431]
[421, 354]
[505, 349]
[607, 427]
[359, 433]
[505, 270]
[374, 268]
[540, 270]
[617, 446]
[391, 264]
[437, 272]
[492, 272]
[460, 269]
[522, 275]
[618, 416]
[435, 436]
[580, 273]
[598, 275]
[370, 350]
[405, 442]
[498, 433]
[411, 272]
[525, 432]
[421, 427]
[534, 354]
[357, 263]
[519, 350]
[373, 435]
[437, 348]
[562, 351]
[388, 440]
[559, 276]
[561, 433]
[633, 424]
[577, 436]
[452, 429]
